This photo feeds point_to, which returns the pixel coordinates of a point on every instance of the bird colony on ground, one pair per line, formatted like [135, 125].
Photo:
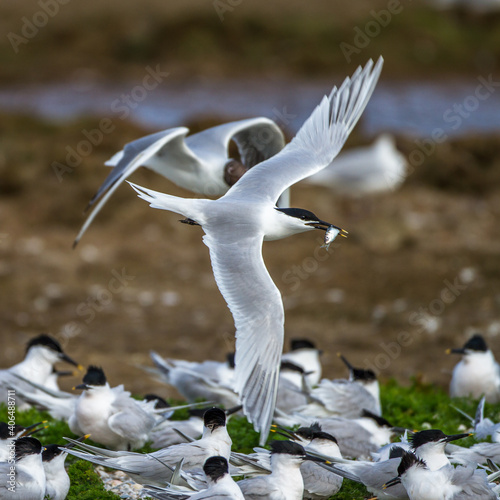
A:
[341, 431]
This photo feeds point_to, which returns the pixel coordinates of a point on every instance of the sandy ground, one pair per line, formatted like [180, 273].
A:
[418, 273]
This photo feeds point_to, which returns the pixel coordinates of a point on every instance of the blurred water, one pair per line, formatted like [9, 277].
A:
[413, 108]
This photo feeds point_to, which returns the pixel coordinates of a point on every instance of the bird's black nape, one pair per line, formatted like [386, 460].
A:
[214, 417]
[288, 448]
[381, 421]
[296, 344]
[215, 468]
[45, 341]
[476, 343]
[27, 446]
[300, 213]
[408, 459]
[94, 376]
[50, 452]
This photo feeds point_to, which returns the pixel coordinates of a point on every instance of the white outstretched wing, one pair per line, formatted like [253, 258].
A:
[257, 309]
[316, 144]
[135, 154]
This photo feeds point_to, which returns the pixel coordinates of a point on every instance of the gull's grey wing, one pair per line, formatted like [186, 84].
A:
[256, 488]
[345, 398]
[136, 154]
[316, 144]
[474, 484]
[257, 139]
[319, 481]
[257, 309]
[353, 440]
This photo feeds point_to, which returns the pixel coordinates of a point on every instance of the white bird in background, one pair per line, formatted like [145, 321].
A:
[305, 354]
[363, 171]
[42, 353]
[199, 162]
[236, 225]
[111, 415]
[477, 374]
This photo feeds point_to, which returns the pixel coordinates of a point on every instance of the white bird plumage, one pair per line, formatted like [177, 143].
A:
[236, 224]
[197, 162]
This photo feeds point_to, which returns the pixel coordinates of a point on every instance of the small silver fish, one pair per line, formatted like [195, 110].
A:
[331, 233]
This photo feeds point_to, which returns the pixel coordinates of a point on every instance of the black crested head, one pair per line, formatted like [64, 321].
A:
[396, 452]
[476, 343]
[214, 418]
[160, 402]
[288, 365]
[382, 422]
[44, 340]
[300, 213]
[50, 452]
[324, 435]
[230, 359]
[197, 412]
[305, 432]
[428, 436]
[7, 431]
[363, 375]
[296, 344]
[94, 376]
[288, 448]
[409, 459]
[215, 468]
[316, 427]
[27, 446]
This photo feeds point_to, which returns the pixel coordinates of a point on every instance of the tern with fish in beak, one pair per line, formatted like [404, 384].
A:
[236, 225]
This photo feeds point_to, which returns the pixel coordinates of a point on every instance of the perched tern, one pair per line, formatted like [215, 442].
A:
[24, 479]
[428, 445]
[220, 485]
[111, 415]
[57, 479]
[363, 171]
[285, 481]
[446, 483]
[345, 398]
[236, 225]
[194, 384]
[304, 353]
[42, 353]
[477, 374]
[156, 468]
[199, 162]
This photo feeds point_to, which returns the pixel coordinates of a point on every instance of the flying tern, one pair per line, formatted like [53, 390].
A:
[199, 162]
[236, 225]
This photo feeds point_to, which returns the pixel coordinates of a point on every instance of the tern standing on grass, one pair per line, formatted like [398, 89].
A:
[236, 225]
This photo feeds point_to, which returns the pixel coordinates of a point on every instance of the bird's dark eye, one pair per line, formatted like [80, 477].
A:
[304, 217]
